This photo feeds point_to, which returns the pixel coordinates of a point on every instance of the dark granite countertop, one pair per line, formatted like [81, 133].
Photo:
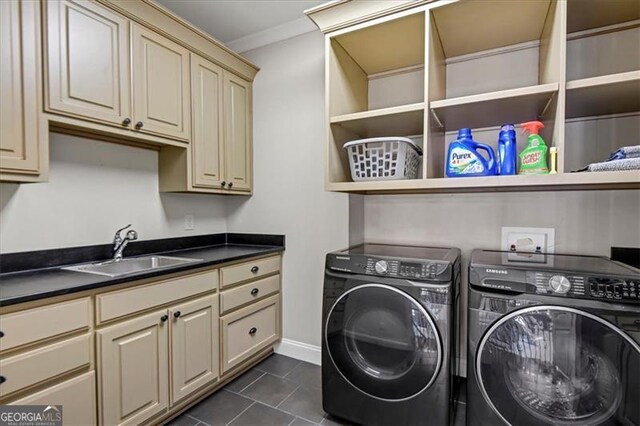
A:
[26, 281]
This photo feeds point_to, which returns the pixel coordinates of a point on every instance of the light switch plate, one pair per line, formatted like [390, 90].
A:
[189, 222]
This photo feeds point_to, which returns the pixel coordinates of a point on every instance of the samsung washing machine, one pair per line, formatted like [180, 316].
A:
[388, 334]
[552, 340]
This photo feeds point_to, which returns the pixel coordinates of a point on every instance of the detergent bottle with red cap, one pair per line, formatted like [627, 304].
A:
[533, 159]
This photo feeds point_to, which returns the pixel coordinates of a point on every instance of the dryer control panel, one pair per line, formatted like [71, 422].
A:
[612, 288]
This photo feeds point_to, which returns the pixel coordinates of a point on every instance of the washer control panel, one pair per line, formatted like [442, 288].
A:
[612, 288]
[555, 283]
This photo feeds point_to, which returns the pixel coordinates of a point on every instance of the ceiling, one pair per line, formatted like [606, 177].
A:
[230, 20]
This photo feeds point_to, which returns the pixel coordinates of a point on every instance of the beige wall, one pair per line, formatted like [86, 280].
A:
[289, 197]
[95, 188]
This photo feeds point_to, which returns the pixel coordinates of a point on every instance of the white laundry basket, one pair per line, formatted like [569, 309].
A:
[389, 158]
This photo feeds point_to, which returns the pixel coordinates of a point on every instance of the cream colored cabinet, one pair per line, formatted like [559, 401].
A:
[237, 132]
[88, 61]
[133, 363]
[22, 139]
[160, 85]
[194, 346]
[207, 149]
[77, 397]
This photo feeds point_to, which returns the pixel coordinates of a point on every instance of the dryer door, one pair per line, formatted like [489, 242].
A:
[383, 342]
[547, 365]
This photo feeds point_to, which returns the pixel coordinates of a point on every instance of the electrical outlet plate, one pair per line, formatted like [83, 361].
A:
[529, 243]
[189, 222]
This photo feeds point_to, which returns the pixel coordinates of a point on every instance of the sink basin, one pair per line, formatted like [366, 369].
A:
[132, 265]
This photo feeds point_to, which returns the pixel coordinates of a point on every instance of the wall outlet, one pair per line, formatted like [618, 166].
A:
[189, 222]
[530, 240]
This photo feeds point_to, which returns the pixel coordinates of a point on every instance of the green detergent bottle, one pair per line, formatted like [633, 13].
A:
[533, 159]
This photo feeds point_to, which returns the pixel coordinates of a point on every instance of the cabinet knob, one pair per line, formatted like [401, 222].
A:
[230, 185]
[254, 291]
[2, 379]
[1, 333]
[139, 125]
[253, 331]
[126, 121]
[223, 183]
[164, 318]
[177, 314]
[255, 269]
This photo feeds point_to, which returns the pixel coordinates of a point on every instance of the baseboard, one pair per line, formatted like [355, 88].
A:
[299, 350]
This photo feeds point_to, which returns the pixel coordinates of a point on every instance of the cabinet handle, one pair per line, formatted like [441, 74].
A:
[254, 291]
[223, 183]
[139, 125]
[255, 269]
[177, 314]
[253, 331]
[230, 185]
[164, 318]
[2, 379]
[126, 122]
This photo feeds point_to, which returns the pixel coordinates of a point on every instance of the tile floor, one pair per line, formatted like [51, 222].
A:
[280, 391]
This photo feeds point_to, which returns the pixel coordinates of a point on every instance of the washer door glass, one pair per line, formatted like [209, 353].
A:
[557, 365]
[383, 342]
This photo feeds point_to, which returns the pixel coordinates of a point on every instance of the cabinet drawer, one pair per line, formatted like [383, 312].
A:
[247, 293]
[249, 330]
[41, 364]
[77, 396]
[249, 270]
[29, 326]
[124, 302]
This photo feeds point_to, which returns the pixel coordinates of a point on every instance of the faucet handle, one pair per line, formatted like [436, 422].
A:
[117, 239]
[131, 235]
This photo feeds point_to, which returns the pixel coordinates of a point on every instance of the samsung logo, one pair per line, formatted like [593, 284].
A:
[497, 271]
[343, 258]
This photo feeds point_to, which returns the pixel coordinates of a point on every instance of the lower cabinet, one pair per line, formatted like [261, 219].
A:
[77, 397]
[138, 358]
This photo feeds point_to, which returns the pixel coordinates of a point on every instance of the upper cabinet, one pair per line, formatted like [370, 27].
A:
[160, 85]
[88, 62]
[237, 132]
[219, 159]
[23, 152]
[124, 72]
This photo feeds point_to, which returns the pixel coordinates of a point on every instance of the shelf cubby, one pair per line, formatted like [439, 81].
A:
[604, 95]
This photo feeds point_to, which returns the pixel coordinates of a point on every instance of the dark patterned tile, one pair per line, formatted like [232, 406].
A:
[301, 422]
[270, 389]
[183, 420]
[278, 365]
[260, 414]
[305, 402]
[244, 380]
[306, 374]
[220, 408]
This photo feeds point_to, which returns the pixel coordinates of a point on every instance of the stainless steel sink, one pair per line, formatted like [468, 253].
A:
[131, 265]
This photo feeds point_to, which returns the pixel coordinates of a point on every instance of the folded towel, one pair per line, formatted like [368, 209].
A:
[626, 152]
[626, 164]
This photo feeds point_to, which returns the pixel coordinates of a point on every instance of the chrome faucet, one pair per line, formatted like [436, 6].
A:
[120, 243]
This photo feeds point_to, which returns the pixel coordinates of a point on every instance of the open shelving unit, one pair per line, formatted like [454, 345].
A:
[425, 72]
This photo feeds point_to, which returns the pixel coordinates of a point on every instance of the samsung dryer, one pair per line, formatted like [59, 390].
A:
[388, 334]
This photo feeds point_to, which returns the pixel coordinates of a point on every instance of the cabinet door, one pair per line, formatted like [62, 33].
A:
[134, 369]
[160, 85]
[194, 346]
[207, 147]
[88, 61]
[237, 131]
[19, 102]
[77, 397]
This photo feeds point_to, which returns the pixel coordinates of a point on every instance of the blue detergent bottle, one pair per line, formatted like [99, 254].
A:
[463, 158]
[507, 151]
